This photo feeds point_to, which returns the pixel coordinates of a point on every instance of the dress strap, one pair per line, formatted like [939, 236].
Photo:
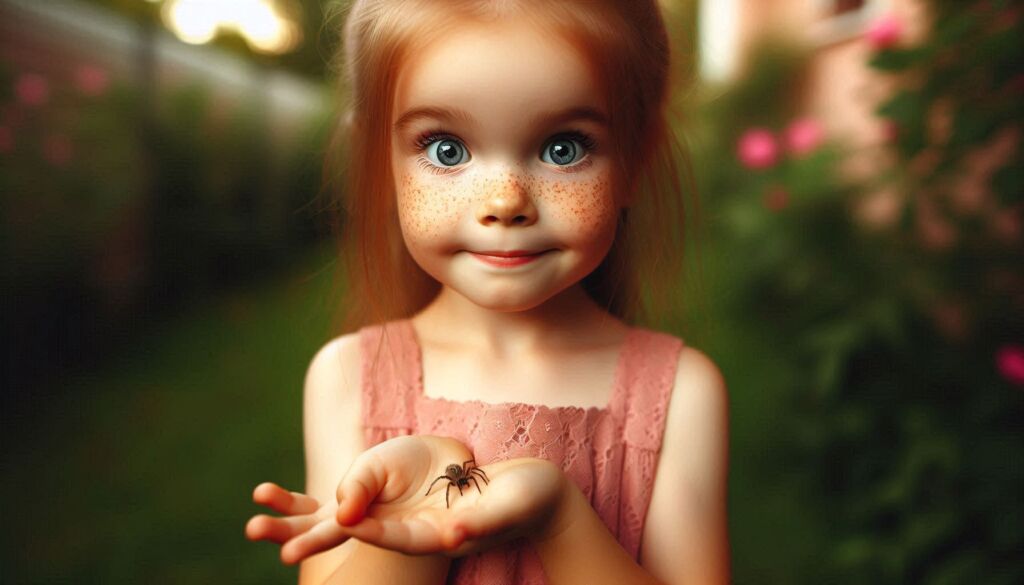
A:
[648, 377]
[389, 363]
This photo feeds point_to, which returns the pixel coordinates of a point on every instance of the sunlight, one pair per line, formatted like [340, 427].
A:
[261, 23]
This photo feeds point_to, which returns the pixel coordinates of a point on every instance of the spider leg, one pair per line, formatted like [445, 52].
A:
[446, 490]
[473, 461]
[458, 484]
[433, 482]
[481, 472]
[476, 483]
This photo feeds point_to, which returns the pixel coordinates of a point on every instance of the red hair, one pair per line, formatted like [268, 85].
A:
[627, 47]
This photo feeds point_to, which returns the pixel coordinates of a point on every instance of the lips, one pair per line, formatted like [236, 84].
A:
[509, 253]
[507, 258]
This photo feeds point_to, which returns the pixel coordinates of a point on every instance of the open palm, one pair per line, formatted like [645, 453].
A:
[382, 501]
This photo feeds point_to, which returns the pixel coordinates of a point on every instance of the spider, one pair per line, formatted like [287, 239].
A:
[458, 476]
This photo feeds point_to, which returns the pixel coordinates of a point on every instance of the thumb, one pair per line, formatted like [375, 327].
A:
[359, 488]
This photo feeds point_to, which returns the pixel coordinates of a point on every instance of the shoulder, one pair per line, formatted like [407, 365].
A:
[335, 367]
[685, 532]
[699, 387]
[332, 383]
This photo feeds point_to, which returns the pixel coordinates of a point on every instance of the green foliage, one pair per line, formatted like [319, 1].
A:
[58, 198]
[118, 205]
[909, 431]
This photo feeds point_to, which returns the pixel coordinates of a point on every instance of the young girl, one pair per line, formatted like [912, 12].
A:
[513, 198]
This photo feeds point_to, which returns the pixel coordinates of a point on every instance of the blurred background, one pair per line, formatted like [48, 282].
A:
[168, 273]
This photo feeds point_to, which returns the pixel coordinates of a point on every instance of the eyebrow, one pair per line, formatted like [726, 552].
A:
[546, 118]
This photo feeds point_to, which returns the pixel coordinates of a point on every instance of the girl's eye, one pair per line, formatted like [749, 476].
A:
[566, 150]
[447, 152]
[442, 153]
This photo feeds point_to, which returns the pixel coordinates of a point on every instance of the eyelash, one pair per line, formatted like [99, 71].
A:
[431, 136]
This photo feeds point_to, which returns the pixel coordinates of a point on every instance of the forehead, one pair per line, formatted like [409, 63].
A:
[497, 70]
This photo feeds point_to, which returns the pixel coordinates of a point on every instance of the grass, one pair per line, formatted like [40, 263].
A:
[141, 469]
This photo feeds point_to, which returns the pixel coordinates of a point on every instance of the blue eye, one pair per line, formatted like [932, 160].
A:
[447, 152]
[566, 150]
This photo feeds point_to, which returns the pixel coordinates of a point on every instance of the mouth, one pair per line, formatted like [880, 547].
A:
[508, 258]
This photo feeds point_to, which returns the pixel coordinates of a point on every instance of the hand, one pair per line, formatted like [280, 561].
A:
[384, 499]
[383, 502]
[305, 517]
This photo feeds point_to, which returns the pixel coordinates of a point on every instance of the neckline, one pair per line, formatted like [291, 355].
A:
[618, 381]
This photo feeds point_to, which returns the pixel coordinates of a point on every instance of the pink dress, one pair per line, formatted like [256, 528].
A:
[611, 453]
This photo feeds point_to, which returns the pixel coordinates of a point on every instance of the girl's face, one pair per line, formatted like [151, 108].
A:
[500, 146]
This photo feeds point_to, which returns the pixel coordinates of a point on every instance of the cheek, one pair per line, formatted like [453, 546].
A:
[587, 208]
[426, 209]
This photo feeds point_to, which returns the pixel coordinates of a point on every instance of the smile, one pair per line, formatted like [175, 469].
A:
[508, 259]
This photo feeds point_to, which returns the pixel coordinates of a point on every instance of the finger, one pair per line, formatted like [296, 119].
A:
[481, 521]
[360, 486]
[325, 535]
[283, 501]
[279, 530]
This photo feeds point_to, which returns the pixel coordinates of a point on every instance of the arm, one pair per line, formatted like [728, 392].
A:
[685, 539]
[371, 564]
[578, 548]
[333, 434]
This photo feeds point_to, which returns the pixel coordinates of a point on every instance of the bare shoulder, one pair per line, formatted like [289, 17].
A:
[699, 383]
[685, 536]
[336, 363]
[333, 435]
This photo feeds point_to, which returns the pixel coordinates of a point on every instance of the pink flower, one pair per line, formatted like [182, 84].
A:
[1010, 362]
[92, 81]
[32, 89]
[757, 149]
[776, 198]
[58, 150]
[884, 32]
[803, 136]
[6, 140]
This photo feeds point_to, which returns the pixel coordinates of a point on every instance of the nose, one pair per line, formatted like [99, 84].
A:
[507, 203]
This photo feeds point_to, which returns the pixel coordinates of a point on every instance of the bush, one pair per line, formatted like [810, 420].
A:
[907, 338]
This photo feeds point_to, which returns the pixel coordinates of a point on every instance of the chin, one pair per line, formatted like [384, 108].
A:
[507, 301]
